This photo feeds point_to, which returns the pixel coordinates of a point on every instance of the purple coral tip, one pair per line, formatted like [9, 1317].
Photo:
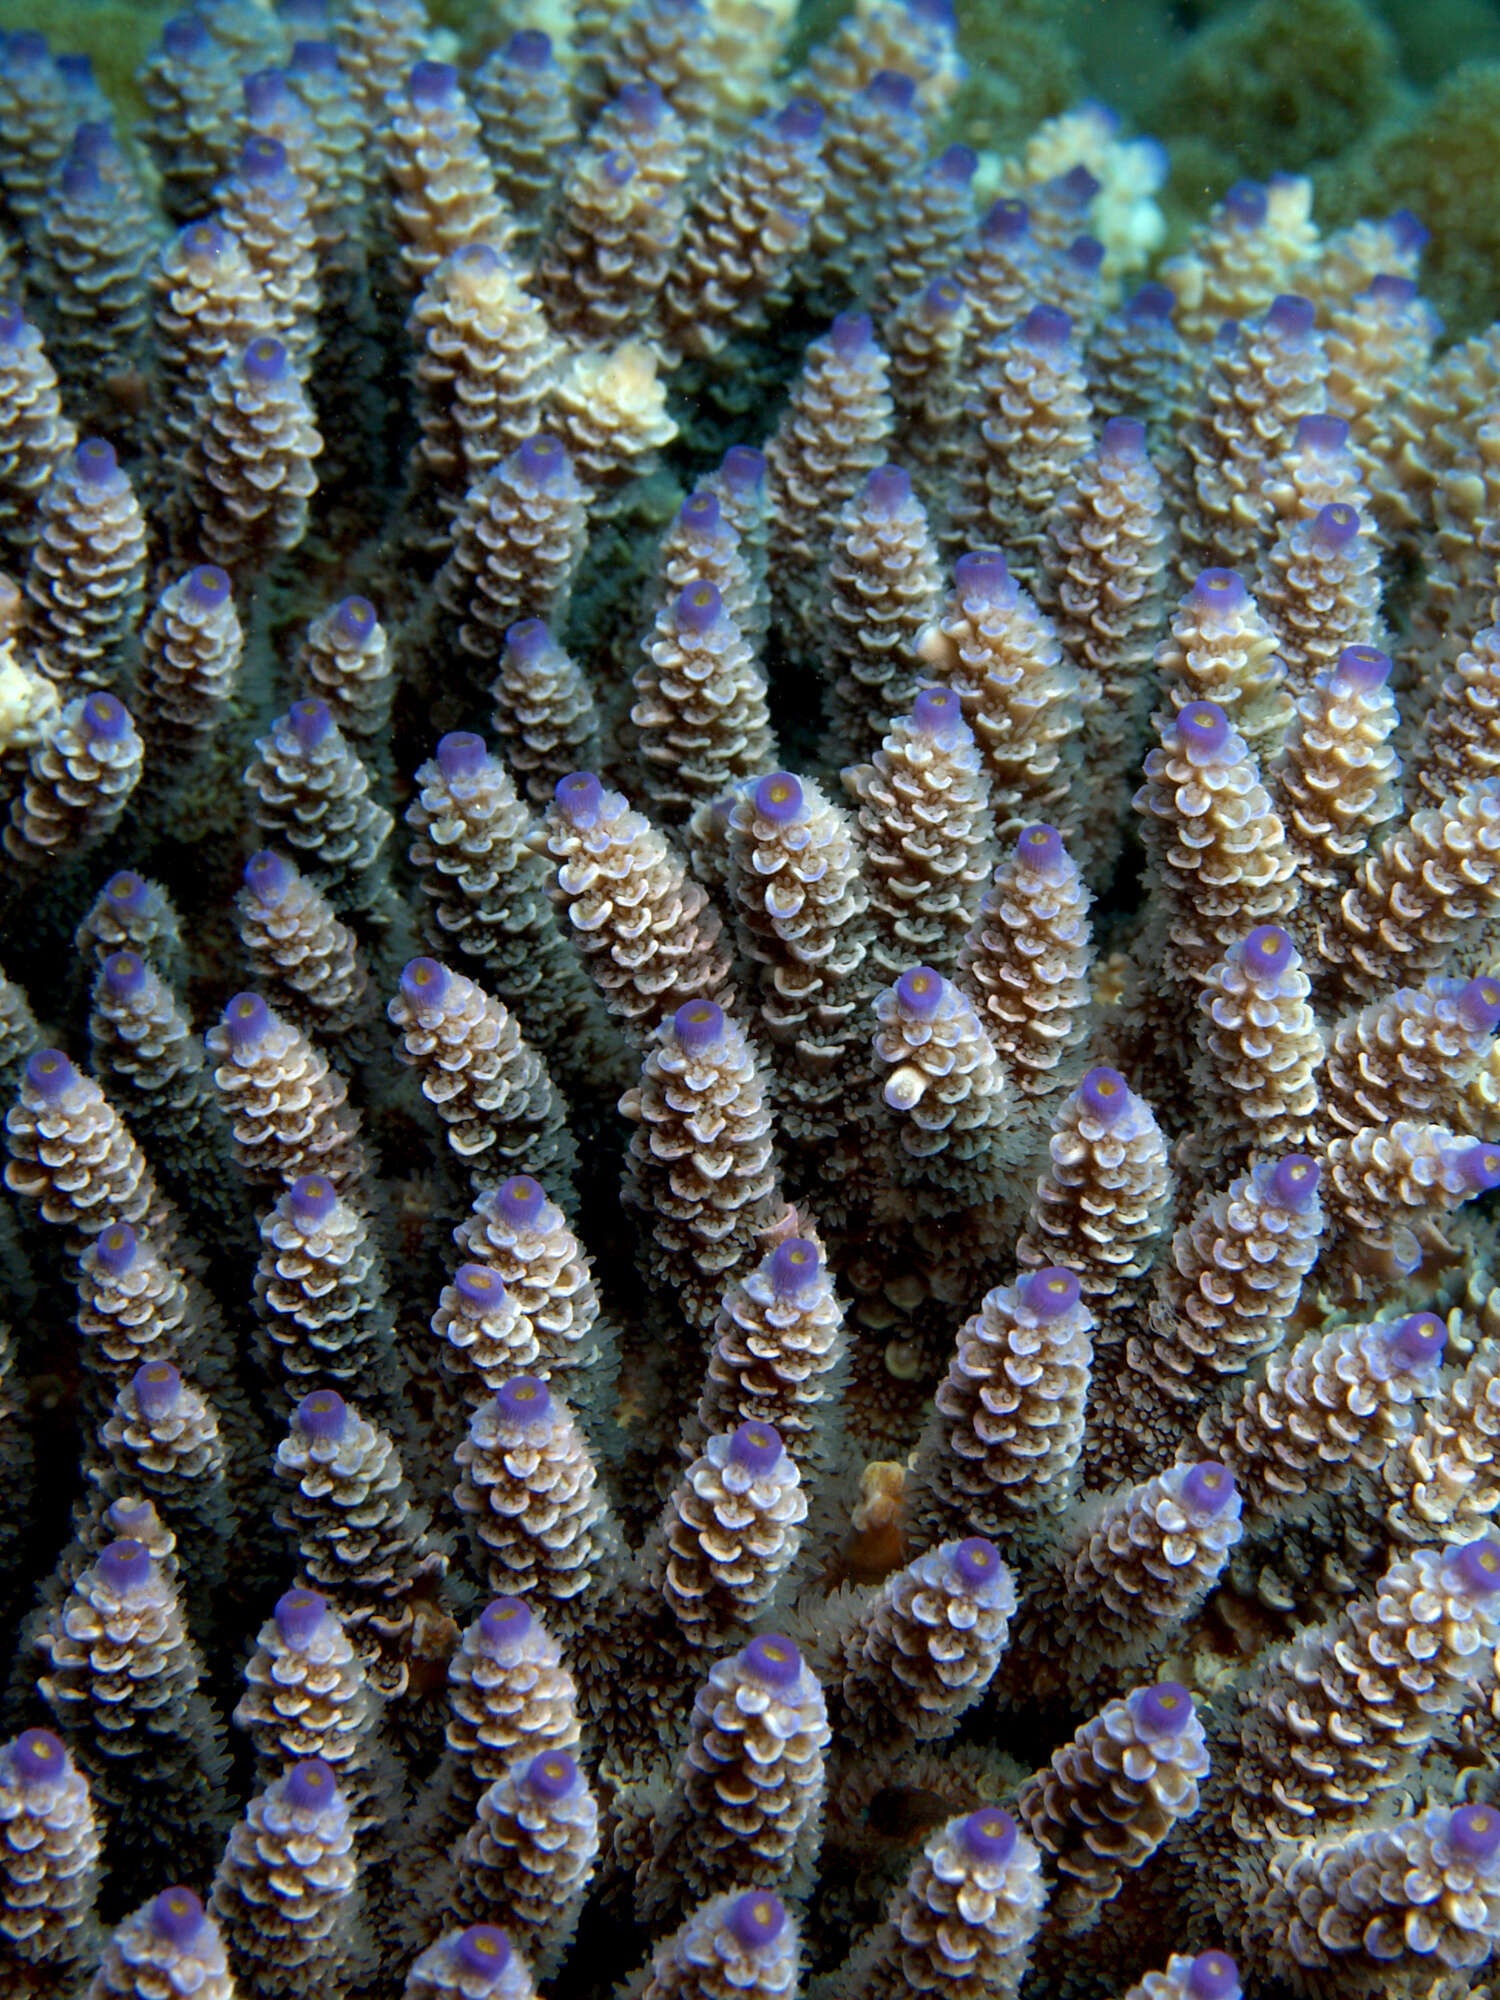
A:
[125, 1565]
[526, 641]
[312, 1200]
[551, 1777]
[743, 468]
[1208, 1489]
[700, 512]
[1267, 952]
[1474, 1832]
[1086, 254]
[115, 1248]
[520, 1202]
[81, 181]
[976, 1563]
[1046, 326]
[267, 94]
[308, 1786]
[95, 461]
[1214, 1976]
[1408, 232]
[266, 363]
[1322, 433]
[25, 48]
[1163, 1710]
[580, 798]
[311, 723]
[1246, 202]
[1203, 729]
[1152, 302]
[505, 1622]
[1294, 1181]
[207, 587]
[432, 86]
[1123, 437]
[982, 575]
[184, 37]
[247, 1019]
[773, 1661]
[1290, 316]
[177, 1917]
[157, 1387]
[353, 620]
[484, 1951]
[324, 1416]
[1077, 186]
[1479, 1005]
[268, 877]
[938, 712]
[106, 719]
[920, 992]
[481, 1289]
[37, 1757]
[1418, 1339]
[756, 1919]
[699, 606]
[525, 1399]
[1041, 847]
[298, 1615]
[1389, 290]
[1364, 667]
[801, 121]
[887, 490]
[893, 89]
[529, 49]
[124, 975]
[12, 320]
[852, 335]
[1049, 1294]
[126, 893]
[943, 296]
[314, 58]
[424, 983]
[50, 1075]
[262, 157]
[541, 461]
[778, 798]
[1006, 221]
[1478, 1164]
[1104, 1094]
[793, 1266]
[957, 165]
[642, 105]
[989, 1837]
[1218, 593]
[756, 1448]
[204, 242]
[476, 260]
[1476, 1567]
[698, 1025]
[1335, 527]
[461, 754]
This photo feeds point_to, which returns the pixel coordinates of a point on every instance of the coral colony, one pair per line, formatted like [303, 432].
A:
[753, 913]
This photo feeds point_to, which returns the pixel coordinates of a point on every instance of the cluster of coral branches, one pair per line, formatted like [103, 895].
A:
[750, 1034]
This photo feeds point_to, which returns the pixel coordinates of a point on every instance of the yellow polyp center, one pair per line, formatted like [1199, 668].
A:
[992, 1829]
[177, 1905]
[701, 596]
[1201, 719]
[116, 1240]
[698, 1016]
[1212, 1480]
[519, 1190]
[526, 1395]
[128, 963]
[555, 1773]
[1168, 1702]
[777, 1653]
[763, 1913]
[1489, 1561]
[780, 794]
[759, 1440]
[51, 1066]
[979, 1559]
[1490, 995]
[1270, 946]
[485, 1945]
[245, 1009]
[1057, 1286]
[920, 985]
[1037, 839]
[158, 1373]
[1480, 1822]
[797, 1257]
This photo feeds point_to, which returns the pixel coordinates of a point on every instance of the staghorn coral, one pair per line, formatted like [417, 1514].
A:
[1151, 1157]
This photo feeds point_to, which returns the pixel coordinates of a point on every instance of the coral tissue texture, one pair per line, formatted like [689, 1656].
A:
[748, 1043]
